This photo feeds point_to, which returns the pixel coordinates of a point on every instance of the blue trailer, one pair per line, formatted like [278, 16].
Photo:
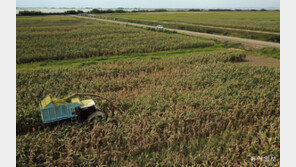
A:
[57, 113]
[85, 110]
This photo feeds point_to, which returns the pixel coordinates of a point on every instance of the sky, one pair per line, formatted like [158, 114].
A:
[150, 3]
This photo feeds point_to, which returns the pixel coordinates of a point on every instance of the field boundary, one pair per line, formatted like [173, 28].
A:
[228, 28]
[94, 60]
[247, 42]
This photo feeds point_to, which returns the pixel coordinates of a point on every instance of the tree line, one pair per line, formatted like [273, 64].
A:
[120, 10]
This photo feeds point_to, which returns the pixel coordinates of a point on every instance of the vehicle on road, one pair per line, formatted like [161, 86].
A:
[159, 27]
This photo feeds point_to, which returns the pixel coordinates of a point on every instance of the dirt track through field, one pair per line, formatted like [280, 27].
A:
[215, 27]
[261, 61]
[249, 43]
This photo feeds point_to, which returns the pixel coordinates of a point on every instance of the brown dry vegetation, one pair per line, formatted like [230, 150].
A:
[182, 110]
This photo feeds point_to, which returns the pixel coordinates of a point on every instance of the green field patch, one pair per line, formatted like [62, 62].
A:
[49, 21]
[95, 60]
[265, 21]
[211, 22]
[268, 52]
[66, 41]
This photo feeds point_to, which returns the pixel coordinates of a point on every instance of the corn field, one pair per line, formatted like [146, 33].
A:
[61, 38]
[211, 22]
[201, 109]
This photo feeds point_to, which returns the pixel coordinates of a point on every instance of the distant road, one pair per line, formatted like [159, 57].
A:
[215, 27]
[246, 42]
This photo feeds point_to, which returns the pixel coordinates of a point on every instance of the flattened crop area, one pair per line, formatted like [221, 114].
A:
[57, 38]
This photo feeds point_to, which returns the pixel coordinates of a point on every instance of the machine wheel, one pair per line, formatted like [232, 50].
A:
[94, 115]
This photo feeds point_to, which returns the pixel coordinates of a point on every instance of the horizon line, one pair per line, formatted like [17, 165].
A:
[149, 8]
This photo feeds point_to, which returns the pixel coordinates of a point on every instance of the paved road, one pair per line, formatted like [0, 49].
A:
[247, 42]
